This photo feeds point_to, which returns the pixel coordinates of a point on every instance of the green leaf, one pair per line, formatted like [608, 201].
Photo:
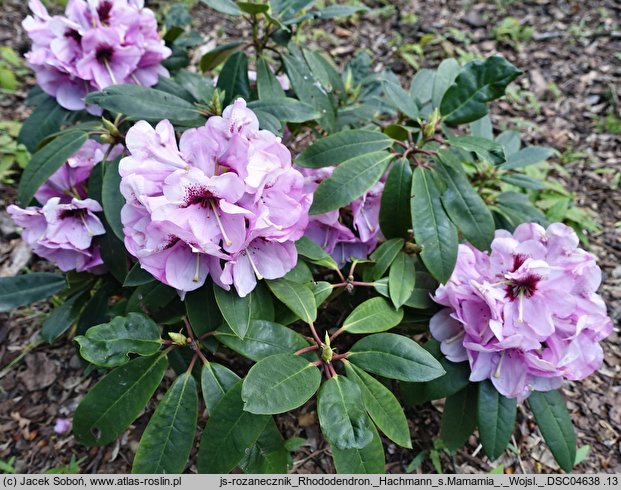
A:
[213, 58]
[342, 418]
[528, 156]
[394, 218]
[268, 455]
[400, 99]
[268, 85]
[488, 150]
[555, 425]
[279, 383]
[198, 86]
[464, 205]
[111, 198]
[511, 141]
[496, 415]
[422, 85]
[459, 418]
[286, 109]
[216, 380]
[228, 7]
[233, 78]
[46, 161]
[334, 11]
[253, 8]
[350, 180]
[263, 339]
[401, 279]
[479, 82]
[113, 253]
[45, 120]
[396, 357]
[317, 65]
[229, 432]
[137, 276]
[298, 298]
[26, 289]
[482, 128]
[340, 147]
[445, 76]
[288, 8]
[523, 181]
[383, 257]
[432, 228]
[382, 406]
[62, 317]
[314, 253]
[237, 312]
[117, 399]
[321, 290]
[138, 102]
[109, 344]
[202, 310]
[374, 315]
[368, 460]
[166, 442]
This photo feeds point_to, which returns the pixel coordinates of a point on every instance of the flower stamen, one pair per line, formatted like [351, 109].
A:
[227, 240]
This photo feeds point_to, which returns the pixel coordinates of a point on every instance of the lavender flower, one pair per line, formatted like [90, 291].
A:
[525, 315]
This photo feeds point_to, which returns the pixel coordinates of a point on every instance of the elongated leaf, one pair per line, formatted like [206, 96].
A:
[213, 58]
[523, 181]
[268, 455]
[322, 290]
[528, 156]
[237, 312]
[394, 218]
[229, 432]
[115, 402]
[216, 380]
[511, 141]
[233, 78]
[465, 207]
[368, 460]
[383, 257]
[286, 109]
[113, 253]
[349, 181]
[496, 415]
[422, 85]
[479, 82]
[289, 8]
[109, 344]
[279, 383]
[268, 85]
[444, 78]
[555, 425]
[46, 161]
[137, 276]
[432, 228]
[400, 99]
[343, 420]
[263, 339]
[342, 146]
[489, 150]
[401, 279]
[138, 102]
[459, 418]
[166, 442]
[298, 298]
[45, 120]
[395, 356]
[314, 253]
[22, 290]
[111, 198]
[62, 317]
[202, 310]
[228, 7]
[374, 315]
[317, 65]
[382, 406]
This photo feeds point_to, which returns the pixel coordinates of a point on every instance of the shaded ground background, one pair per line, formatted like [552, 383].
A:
[568, 98]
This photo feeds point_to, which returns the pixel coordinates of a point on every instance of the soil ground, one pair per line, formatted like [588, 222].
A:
[567, 98]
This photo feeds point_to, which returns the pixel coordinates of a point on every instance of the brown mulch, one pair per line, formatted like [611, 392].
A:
[570, 68]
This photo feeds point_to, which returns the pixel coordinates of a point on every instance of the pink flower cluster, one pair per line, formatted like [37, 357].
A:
[328, 229]
[225, 202]
[525, 315]
[96, 43]
[62, 230]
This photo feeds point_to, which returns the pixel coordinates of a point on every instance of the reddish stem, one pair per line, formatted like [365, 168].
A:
[306, 349]
[338, 357]
[358, 283]
[201, 355]
[315, 335]
[205, 335]
[332, 370]
[336, 334]
[188, 327]
[317, 362]
[191, 366]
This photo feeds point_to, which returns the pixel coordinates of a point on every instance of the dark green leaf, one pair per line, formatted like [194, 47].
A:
[368, 460]
[298, 298]
[233, 78]
[113, 253]
[268, 85]
[117, 400]
[342, 146]
[479, 82]
[46, 161]
[137, 276]
[401, 100]
[216, 380]
[213, 58]
[401, 279]
[62, 317]
[382, 406]
[202, 310]
[383, 257]
[286, 109]
[432, 228]
[279, 383]
[374, 315]
[228, 7]
[109, 344]
[459, 418]
[26, 289]
[268, 455]
[523, 181]
[235, 310]
[396, 357]
[45, 120]
[350, 180]
[166, 442]
[555, 425]
[229, 432]
[488, 150]
[528, 156]
[445, 76]
[314, 253]
[496, 419]
[111, 198]
[342, 417]
[394, 218]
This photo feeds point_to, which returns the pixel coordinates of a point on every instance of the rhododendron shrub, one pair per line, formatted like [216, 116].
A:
[330, 230]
